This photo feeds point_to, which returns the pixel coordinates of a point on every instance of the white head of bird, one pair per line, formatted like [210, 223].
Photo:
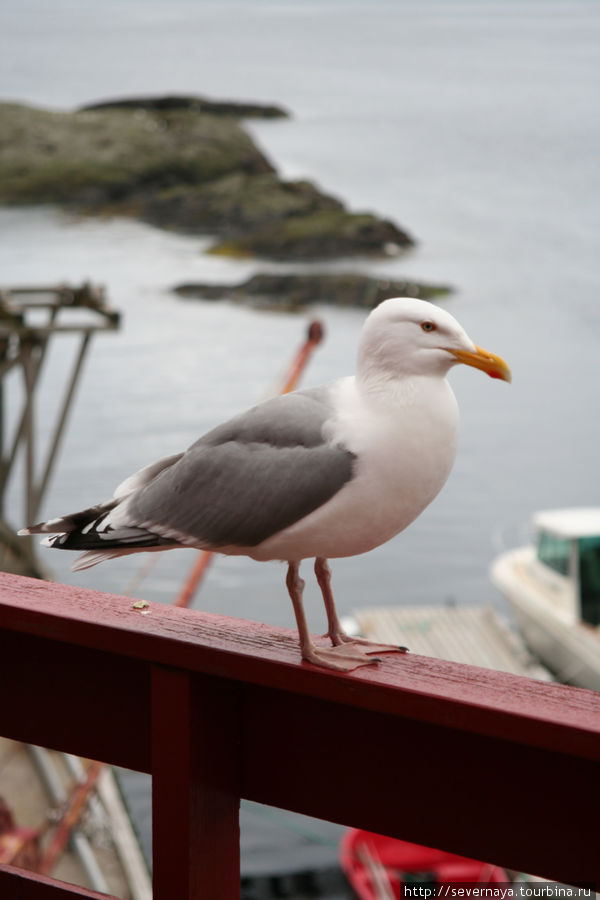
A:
[403, 338]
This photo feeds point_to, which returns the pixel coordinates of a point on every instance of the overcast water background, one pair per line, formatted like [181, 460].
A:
[474, 125]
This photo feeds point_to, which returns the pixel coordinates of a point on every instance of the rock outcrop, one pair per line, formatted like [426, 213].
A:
[293, 291]
[112, 157]
[196, 104]
[180, 163]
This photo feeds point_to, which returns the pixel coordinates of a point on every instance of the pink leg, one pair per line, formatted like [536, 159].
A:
[336, 633]
[343, 659]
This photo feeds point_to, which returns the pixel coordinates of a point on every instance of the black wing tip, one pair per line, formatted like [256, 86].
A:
[121, 539]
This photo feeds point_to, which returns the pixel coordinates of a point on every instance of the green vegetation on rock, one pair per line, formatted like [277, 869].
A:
[98, 158]
[323, 233]
[235, 204]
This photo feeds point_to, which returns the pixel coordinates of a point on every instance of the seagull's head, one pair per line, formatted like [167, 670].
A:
[405, 337]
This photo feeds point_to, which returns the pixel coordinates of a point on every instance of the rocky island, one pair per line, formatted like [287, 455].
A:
[179, 165]
[187, 164]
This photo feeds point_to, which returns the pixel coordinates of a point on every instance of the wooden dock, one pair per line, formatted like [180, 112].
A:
[475, 635]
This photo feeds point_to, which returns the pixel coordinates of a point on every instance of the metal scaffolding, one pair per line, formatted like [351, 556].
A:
[29, 318]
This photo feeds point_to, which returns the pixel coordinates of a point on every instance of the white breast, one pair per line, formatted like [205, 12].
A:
[404, 439]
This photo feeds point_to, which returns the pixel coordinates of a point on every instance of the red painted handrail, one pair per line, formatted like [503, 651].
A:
[481, 763]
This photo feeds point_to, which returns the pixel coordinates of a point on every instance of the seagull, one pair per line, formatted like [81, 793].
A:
[320, 473]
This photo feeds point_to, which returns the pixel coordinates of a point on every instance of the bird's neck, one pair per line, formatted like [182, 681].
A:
[384, 389]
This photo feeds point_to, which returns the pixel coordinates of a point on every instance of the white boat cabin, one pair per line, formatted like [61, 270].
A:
[568, 560]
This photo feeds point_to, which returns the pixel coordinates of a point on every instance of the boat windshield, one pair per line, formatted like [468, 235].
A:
[554, 552]
[589, 579]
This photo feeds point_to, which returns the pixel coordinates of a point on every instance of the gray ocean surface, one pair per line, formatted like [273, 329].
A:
[472, 124]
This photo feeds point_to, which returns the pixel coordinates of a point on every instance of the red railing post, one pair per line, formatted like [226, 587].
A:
[195, 786]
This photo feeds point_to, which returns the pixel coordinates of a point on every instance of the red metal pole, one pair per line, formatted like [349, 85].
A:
[313, 339]
[203, 561]
[75, 808]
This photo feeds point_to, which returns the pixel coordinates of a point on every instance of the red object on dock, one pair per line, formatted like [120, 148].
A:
[377, 866]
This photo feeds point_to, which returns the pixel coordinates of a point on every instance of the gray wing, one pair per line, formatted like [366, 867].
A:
[249, 478]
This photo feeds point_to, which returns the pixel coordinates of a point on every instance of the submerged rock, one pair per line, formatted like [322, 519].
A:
[295, 290]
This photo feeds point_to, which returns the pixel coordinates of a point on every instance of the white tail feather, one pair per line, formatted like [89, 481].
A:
[93, 557]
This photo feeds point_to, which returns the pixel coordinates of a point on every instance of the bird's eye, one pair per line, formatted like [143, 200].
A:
[428, 326]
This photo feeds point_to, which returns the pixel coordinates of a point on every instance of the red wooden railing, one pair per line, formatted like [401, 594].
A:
[484, 764]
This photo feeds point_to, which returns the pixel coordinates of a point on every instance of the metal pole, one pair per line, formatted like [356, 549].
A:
[62, 418]
[57, 794]
[23, 355]
[3, 356]
[30, 373]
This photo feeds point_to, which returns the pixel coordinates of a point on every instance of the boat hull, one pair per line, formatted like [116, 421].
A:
[570, 649]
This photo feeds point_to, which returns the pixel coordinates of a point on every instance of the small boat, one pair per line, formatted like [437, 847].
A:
[378, 867]
[553, 587]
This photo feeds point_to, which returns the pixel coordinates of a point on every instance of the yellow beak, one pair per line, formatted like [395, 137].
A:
[486, 361]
